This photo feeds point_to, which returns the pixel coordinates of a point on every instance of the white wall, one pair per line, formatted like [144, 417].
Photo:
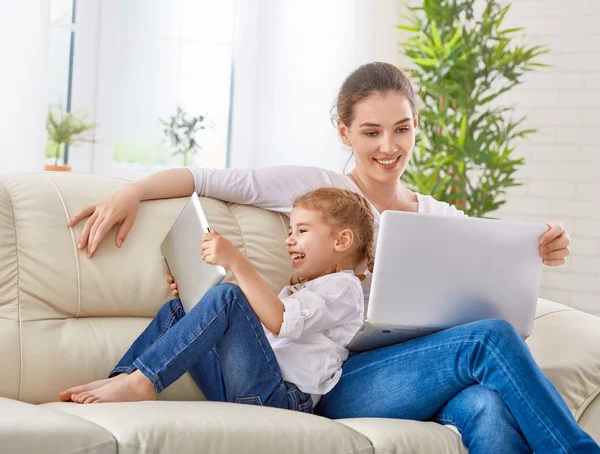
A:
[24, 32]
[562, 172]
[304, 51]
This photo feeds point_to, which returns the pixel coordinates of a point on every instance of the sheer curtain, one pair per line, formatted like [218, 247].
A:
[24, 33]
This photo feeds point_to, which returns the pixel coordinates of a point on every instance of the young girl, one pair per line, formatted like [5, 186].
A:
[221, 341]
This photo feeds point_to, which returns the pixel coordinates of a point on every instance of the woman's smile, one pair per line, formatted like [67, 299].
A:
[388, 163]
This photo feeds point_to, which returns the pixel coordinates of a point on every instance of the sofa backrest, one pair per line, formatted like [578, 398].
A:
[66, 319]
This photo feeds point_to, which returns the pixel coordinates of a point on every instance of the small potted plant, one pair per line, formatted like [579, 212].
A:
[66, 129]
[181, 131]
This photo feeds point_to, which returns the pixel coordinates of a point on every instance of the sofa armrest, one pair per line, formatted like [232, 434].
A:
[565, 342]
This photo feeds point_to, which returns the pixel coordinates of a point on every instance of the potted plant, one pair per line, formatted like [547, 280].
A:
[464, 61]
[66, 129]
[181, 131]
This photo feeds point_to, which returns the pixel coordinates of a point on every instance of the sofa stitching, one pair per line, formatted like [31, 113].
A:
[586, 402]
[12, 208]
[239, 228]
[74, 247]
[283, 224]
[594, 414]
[570, 309]
[87, 448]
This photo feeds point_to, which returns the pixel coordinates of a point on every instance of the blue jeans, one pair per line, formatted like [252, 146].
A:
[479, 377]
[221, 342]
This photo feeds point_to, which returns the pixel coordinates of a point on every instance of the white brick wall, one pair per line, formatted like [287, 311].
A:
[562, 172]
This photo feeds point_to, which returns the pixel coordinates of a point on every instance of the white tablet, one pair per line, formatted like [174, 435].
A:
[182, 251]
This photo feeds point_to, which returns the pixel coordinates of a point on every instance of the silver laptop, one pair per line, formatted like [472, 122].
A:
[182, 251]
[435, 272]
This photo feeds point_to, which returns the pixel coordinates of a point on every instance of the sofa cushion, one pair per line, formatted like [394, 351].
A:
[58, 354]
[59, 308]
[556, 344]
[402, 435]
[216, 427]
[27, 429]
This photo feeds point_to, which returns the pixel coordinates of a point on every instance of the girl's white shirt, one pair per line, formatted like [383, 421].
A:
[321, 318]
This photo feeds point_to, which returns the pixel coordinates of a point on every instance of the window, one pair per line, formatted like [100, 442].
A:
[156, 55]
[60, 61]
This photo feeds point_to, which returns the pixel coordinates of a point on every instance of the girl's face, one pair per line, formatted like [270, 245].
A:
[382, 136]
[312, 247]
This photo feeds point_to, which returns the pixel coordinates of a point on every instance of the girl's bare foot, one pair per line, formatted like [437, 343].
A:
[133, 388]
[67, 395]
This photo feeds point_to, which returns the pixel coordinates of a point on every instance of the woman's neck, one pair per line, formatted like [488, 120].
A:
[385, 195]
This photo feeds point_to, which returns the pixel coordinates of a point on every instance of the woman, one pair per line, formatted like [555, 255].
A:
[479, 377]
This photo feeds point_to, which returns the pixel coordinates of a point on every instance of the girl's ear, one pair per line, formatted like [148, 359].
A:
[343, 132]
[344, 240]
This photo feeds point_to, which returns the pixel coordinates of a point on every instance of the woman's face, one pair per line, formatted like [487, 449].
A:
[382, 136]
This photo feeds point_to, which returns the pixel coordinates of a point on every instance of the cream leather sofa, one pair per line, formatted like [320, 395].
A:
[66, 320]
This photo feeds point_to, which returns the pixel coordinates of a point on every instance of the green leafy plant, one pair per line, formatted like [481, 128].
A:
[181, 131]
[464, 63]
[67, 128]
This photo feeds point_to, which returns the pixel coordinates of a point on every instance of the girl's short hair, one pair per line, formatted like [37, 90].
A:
[344, 209]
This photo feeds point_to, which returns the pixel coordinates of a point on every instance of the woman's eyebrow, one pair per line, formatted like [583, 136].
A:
[373, 125]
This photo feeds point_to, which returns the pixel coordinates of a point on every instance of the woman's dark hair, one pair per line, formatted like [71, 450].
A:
[376, 77]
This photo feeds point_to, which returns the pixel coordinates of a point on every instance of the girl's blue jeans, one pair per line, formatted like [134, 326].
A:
[222, 344]
[479, 377]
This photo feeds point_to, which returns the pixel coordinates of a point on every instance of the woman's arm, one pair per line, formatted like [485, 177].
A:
[272, 188]
[122, 207]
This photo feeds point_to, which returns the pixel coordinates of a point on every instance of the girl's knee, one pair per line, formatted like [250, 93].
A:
[226, 293]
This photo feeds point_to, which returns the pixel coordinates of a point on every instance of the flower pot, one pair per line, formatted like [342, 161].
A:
[53, 168]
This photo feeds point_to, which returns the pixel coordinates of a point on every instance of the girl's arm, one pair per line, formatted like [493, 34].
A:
[266, 305]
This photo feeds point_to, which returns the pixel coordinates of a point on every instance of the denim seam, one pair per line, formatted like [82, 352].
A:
[492, 349]
[123, 369]
[150, 375]
[233, 300]
[526, 398]
[166, 328]
[180, 351]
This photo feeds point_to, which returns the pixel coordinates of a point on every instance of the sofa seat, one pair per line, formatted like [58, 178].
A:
[30, 429]
[214, 428]
[400, 435]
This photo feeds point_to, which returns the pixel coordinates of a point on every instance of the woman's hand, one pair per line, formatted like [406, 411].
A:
[172, 284]
[218, 250]
[120, 208]
[554, 244]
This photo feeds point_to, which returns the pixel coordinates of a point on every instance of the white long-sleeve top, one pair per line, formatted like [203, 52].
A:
[275, 188]
[320, 319]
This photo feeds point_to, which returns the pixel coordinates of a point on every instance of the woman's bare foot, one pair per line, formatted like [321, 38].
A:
[67, 395]
[133, 388]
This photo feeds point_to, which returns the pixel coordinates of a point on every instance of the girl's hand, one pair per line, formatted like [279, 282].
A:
[172, 283]
[554, 244]
[218, 250]
[120, 208]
